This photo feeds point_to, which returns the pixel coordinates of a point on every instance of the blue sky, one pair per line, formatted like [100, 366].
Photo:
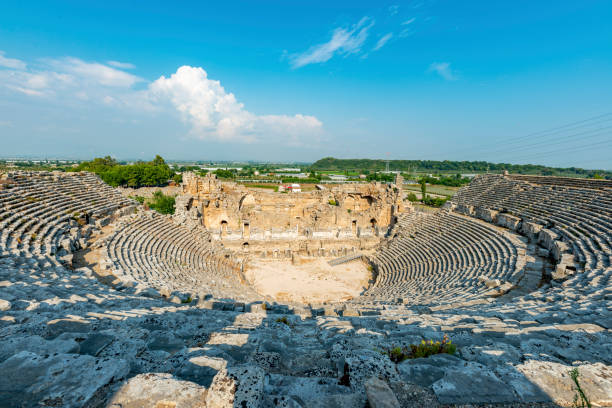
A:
[300, 80]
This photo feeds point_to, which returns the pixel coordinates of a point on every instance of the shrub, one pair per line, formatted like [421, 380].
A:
[225, 174]
[412, 197]
[188, 300]
[425, 349]
[434, 202]
[283, 320]
[332, 202]
[162, 203]
[140, 199]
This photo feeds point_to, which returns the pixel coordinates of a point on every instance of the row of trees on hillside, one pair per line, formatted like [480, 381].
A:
[449, 166]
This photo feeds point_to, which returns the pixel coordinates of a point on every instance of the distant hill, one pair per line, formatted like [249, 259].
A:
[448, 166]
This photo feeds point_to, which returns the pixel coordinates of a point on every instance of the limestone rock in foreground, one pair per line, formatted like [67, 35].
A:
[240, 386]
[427, 370]
[379, 394]
[554, 380]
[155, 390]
[66, 380]
[472, 383]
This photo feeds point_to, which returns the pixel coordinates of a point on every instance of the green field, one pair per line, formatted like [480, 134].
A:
[266, 186]
[440, 190]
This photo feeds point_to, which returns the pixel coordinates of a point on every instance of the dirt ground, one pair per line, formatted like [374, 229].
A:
[309, 280]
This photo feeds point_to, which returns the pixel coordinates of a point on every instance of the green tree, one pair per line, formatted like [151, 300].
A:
[423, 189]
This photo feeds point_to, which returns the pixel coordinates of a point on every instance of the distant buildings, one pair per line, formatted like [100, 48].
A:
[294, 188]
[338, 177]
[297, 175]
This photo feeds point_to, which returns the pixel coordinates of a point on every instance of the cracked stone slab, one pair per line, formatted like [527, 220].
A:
[555, 381]
[29, 379]
[472, 383]
[156, 390]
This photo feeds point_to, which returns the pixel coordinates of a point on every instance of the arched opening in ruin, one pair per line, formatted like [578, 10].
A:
[354, 227]
[246, 230]
[223, 228]
[373, 224]
[245, 246]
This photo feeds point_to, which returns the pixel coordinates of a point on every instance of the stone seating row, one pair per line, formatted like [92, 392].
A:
[151, 249]
[576, 213]
[39, 209]
[442, 257]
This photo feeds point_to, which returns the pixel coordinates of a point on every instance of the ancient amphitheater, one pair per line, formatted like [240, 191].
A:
[106, 303]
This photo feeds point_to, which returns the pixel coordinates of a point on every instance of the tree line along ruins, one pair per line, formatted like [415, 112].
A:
[178, 311]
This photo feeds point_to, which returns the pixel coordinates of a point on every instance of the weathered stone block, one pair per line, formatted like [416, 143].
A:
[486, 214]
[472, 383]
[465, 209]
[158, 390]
[546, 238]
[236, 387]
[531, 230]
[554, 380]
[379, 394]
[509, 221]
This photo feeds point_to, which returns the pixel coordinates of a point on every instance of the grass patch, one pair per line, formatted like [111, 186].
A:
[266, 186]
[188, 300]
[439, 190]
[580, 399]
[422, 350]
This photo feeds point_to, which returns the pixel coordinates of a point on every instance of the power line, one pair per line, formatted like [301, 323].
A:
[565, 138]
[556, 128]
[547, 133]
[568, 149]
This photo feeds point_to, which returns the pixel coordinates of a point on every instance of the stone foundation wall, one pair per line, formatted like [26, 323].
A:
[232, 212]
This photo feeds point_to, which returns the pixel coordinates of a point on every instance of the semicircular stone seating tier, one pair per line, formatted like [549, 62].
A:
[442, 258]
[570, 217]
[151, 249]
[41, 211]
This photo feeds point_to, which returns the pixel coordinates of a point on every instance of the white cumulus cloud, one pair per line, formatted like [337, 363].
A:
[214, 113]
[344, 41]
[211, 112]
[11, 62]
[443, 69]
